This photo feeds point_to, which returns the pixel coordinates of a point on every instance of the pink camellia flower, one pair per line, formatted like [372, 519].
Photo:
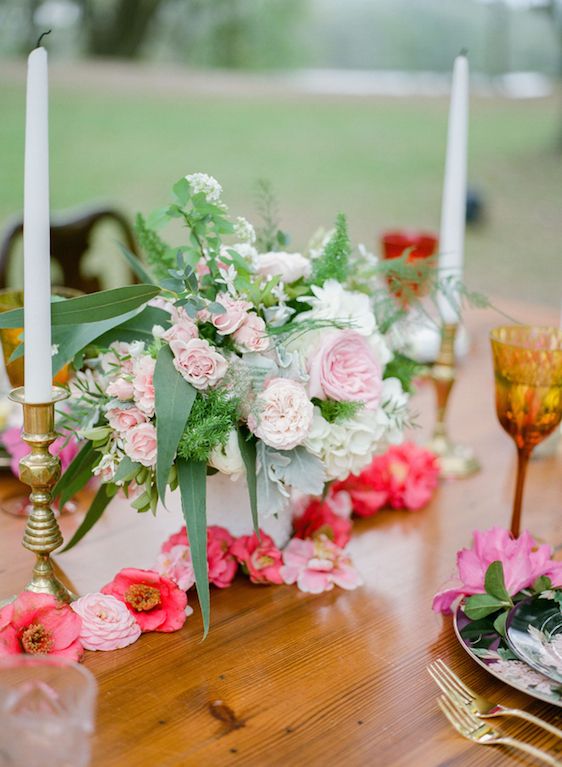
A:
[156, 602]
[221, 563]
[283, 414]
[182, 330]
[140, 444]
[234, 316]
[345, 368]
[120, 388]
[123, 419]
[252, 335]
[66, 448]
[36, 624]
[175, 563]
[198, 362]
[261, 560]
[522, 558]
[317, 565]
[368, 490]
[176, 539]
[106, 622]
[143, 384]
[318, 518]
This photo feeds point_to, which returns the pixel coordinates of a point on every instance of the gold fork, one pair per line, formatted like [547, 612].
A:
[461, 695]
[473, 729]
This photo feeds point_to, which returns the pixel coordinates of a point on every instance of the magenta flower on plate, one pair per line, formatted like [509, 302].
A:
[317, 565]
[522, 558]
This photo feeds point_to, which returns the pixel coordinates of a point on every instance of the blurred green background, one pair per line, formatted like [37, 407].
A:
[342, 106]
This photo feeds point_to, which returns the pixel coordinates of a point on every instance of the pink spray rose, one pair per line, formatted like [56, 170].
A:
[261, 560]
[181, 331]
[317, 565]
[319, 518]
[123, 419]
[198, 362]
[36, 624]
[345, 368]
[106, 622]
[283, 414]
[234, 316]
[156, 603]
[120, 388]
[221, 563]
[522, 558]
[140, 444]
[143, 384]
[175, 563]
[252, 335]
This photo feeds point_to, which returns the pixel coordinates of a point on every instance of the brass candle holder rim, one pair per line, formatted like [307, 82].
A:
[57, 395]
[502, 335]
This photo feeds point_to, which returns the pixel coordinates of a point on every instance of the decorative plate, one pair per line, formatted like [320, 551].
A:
[491, 652]
[534, 633]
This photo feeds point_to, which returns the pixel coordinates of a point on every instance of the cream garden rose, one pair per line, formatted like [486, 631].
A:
[228, 459]
[290, 266]
[282, 414]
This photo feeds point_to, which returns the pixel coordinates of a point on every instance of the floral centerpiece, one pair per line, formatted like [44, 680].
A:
[231, 356]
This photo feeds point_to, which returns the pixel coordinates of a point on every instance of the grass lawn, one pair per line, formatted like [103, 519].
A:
[378, 160]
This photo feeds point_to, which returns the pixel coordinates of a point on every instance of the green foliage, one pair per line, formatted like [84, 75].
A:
[213, 416]
[403, 368]
[247, 445]
[333, 264]
[268, 236]
[334, 411]
[159, 255]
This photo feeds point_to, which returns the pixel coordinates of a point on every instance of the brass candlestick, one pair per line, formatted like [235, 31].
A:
[455, 461]
[41, 470]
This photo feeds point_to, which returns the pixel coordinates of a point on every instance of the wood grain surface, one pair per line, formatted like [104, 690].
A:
[290, 679]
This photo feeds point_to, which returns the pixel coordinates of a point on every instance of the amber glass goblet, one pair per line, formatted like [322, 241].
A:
[528, 373]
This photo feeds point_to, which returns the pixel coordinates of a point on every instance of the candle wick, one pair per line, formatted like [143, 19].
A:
[41, 36]
[463, 52]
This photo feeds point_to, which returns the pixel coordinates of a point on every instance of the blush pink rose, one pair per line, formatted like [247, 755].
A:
[317, 565]
[123, 419]
[252, 335]
[260, 560]
[283, 414]
[106, 622]
[140, 444]
[221, 564]
[198, 362]
[182, 330]
[522, 558]
[156, 602]
[236, 311]
[344, 368]
[36, 624]
[120, 388]
[143, 384]
[175, 563]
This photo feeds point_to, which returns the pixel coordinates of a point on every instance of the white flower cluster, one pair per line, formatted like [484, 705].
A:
[244, 231]
[201, 182]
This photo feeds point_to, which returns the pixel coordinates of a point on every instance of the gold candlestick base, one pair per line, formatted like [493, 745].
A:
[455, 461]
[41, 470]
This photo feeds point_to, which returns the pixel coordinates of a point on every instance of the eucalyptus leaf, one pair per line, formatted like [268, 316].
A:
[138, 328]
[126, 470]
[193, 490]
[247, 445]
[173, 403]
[97, 507]
[77, 474]
[137, 266]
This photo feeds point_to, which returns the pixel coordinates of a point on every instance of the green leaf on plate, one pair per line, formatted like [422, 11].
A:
[192, 477]
[97, 507]
[77, 474]
[543, 583]
[499, 623]
[173, 403]
[494, 582]
[480, 605]
[93, 307]
[247, 444]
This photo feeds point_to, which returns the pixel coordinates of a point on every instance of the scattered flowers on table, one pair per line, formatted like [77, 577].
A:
[107, 624]
[317, 565]
[260, 559]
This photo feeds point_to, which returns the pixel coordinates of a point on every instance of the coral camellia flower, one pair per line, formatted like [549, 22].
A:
[261, 560]
[156, 602]
[318, 518]
[221, 563]
[36, 624]
[522, 558]
[107, 624]
[317, 565]
[175, 558]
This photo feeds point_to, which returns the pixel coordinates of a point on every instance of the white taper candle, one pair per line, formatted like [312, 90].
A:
[36, 234]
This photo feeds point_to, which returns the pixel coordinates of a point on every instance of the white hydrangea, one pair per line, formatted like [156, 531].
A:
[228, 459]
[244, 230]
[346, 447]
[201, 182]
[394, 403]
[333, 302]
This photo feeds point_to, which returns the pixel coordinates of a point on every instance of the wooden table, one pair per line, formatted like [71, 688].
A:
[290, 679]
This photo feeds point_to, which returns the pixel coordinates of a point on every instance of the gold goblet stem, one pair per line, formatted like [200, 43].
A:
[523, 455]
[41, 470]
[455, 461]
